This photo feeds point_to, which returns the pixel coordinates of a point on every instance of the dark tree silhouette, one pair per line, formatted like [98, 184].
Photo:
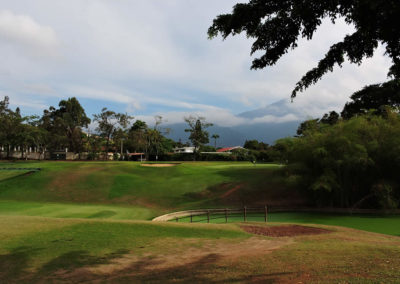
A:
[373, 97]
[277, 25]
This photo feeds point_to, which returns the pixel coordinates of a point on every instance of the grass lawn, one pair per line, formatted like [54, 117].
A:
[379, 224]
[8, 174]
[85, 222]
[42, 250]
[64, 210]
[160, 190]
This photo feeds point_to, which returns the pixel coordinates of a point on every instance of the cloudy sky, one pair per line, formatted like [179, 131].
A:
[149, 57]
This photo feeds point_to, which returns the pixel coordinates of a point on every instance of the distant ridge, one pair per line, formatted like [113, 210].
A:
[278, 120]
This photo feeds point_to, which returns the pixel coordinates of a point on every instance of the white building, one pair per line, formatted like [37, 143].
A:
[186, 150]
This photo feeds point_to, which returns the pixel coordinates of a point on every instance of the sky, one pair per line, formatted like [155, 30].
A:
[153, 57]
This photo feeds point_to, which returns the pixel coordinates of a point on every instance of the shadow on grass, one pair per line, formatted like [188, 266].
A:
[24, 174]
[207, 269]
[250, 187]
[14, 264]
[72, 267]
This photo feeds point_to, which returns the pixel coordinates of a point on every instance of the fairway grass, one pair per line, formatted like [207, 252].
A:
[63, 210]
[384, 224]
[161, 190]
[85, 222]
[41, 250]
[8, 174]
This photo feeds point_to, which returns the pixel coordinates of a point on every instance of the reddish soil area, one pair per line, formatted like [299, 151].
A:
[230, 191]
[284, 231]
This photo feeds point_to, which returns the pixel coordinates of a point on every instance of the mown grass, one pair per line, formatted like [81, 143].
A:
[72, 222]
[8, 174]
[45, 245]
[42, 250]
[189, 185]
[384, 224]
[62, 210]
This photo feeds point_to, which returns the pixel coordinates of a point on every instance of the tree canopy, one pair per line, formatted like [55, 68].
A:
[198, 135]
[373, 98]
[276, 27]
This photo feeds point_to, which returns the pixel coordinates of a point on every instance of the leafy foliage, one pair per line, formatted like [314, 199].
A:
[350, 163]
[375, 98]
[276, 27]
[198, 134]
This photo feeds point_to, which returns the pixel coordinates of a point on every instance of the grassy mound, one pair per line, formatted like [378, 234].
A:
[158, 189]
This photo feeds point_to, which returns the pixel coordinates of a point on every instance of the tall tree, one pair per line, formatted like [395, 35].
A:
[137, 137]
[12, 127]
[215, 137]
[156, 137]
[73, 118]
[52, 123]
[108, 122]
[276, 27]
[198, 134]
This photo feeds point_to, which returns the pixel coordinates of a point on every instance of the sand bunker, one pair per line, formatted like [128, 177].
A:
[284, 231]
[159, 165]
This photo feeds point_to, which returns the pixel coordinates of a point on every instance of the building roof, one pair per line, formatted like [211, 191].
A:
[228, 149]
[135, 154]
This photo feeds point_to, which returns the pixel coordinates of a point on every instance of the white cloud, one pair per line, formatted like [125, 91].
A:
[23, 31]
[150, 57]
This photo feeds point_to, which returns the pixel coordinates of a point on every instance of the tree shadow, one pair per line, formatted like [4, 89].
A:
[15, 264]
[250, 187]
[72, 267]
[207, 269]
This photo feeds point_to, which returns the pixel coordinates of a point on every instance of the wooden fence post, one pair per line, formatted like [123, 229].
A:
[191, 218]
[226, 215]
[266, 213]
[208, 216]
[244, 213]
[176, 219]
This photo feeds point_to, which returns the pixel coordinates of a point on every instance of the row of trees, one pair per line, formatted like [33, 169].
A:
[62, 129]
[353, 159]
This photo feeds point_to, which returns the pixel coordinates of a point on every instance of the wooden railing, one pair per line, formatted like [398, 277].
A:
[205, 215]
[246, 213]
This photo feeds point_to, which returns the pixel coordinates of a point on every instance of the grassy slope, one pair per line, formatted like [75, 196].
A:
[39, 249]
[158, 190]
[128, 191]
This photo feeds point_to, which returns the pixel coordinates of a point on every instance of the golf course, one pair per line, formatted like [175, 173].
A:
[91, 222]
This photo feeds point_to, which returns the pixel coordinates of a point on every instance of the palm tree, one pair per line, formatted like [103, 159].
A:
[215, 137]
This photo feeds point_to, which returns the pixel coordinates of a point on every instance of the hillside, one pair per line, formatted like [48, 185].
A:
[150, 190]
[86, 222]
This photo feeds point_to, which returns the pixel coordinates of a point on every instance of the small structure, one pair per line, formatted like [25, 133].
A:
[229, 149]
[186, 150]
[136, 156]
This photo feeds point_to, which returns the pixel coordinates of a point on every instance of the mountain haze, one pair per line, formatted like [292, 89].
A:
[278, 120]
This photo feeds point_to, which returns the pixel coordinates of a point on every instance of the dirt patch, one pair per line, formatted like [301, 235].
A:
[254, 246]
[284, 231]
[159, 165]
[231, 191]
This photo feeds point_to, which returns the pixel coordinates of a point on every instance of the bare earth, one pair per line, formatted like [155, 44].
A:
[284, 231]
[159, 165]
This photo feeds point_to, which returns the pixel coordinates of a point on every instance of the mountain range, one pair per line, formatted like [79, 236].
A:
[278, 120]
